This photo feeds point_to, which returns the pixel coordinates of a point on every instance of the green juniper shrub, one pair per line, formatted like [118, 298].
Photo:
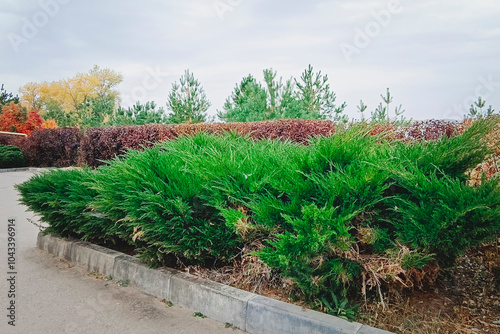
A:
[309, 254]
[62, 199]
[202, 198]
[445, 216]
[449, 156]
[11, 157]
[160, 196]
[429, 205]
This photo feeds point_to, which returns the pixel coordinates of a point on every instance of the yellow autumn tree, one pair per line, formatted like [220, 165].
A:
[73, 94]
[31, 96]
[107, 82]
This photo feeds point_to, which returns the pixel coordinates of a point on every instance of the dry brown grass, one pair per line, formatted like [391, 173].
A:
[466, 299]
[249, 273]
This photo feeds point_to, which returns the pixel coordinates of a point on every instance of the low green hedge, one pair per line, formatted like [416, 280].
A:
[11, 157]
[204, 197]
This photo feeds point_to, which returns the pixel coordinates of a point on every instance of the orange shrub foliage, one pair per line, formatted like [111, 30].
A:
[50, 124]
[15, 118]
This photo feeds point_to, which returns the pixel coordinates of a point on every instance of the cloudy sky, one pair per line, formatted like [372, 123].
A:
[435, 56]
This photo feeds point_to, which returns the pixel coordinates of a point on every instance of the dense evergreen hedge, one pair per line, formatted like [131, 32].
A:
[326, 212]
[11, 157]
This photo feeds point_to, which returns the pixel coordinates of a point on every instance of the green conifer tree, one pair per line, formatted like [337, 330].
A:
[248, 102]
[187, 101]
[307, 98]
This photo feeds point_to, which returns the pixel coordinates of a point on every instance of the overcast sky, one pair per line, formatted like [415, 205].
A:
[435, 56]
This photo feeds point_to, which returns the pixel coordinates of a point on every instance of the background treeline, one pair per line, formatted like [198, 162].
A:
[92, 99]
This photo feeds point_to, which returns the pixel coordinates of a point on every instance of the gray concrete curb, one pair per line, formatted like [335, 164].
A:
[247, 311]
[24, 169]
[19, 169]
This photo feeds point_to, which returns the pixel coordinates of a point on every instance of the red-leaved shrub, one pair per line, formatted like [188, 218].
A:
[11, 140]
[429, 130]
[52, 147]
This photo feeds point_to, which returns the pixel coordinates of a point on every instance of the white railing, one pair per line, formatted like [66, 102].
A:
[13, 133]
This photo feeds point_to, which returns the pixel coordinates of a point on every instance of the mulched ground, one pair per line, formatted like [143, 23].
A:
[466, 299]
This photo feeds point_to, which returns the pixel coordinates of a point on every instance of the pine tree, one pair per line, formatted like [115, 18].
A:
[307, 98]
[139, 114]
[361, 109]
[247, 103]
[187, 101]
[54, 111]
[7, 98]
[318, 101]
[388, 100]
[476, 109]
[382, 113]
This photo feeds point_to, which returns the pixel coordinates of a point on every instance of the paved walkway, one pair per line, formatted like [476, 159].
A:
[52, 296]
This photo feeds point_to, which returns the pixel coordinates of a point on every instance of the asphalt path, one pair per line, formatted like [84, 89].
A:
[53, 296]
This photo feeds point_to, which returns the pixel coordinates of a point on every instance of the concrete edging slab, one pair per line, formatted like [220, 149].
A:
[16, 169]
[247, 311]
[27, 169]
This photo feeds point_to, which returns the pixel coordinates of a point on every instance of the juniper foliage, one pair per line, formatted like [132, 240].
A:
[202, 198]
